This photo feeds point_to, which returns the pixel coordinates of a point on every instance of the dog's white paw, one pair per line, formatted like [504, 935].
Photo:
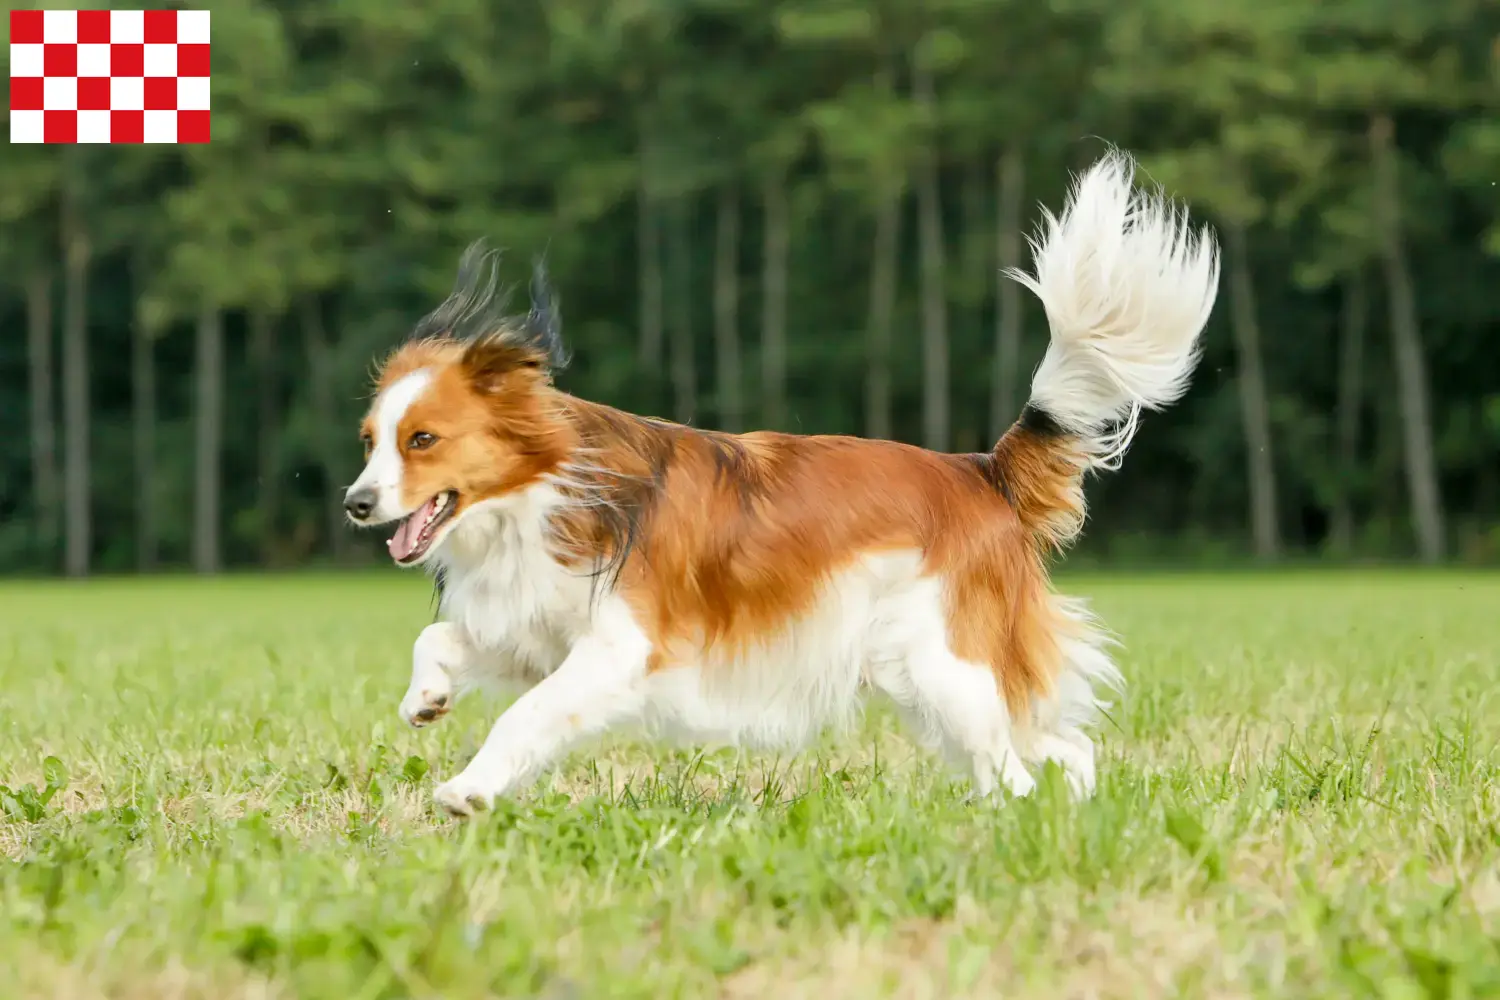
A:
[424, 707]
[462, 797]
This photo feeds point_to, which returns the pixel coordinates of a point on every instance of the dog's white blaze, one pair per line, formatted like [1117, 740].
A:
[383, 471]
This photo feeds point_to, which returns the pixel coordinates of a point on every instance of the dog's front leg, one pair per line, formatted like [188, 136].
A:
[441, 656]
[599, 684]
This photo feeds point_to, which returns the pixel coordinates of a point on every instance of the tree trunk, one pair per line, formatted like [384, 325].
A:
[1388, 498]
[1254, 408]
[77, 520]
[935, 389]
[1350, 398]
[1406, 342]
[680, 310]
[267, 430]
[208, 433]
[775, 251]
[320, 401]
[1011, 171]
[143, 431]
[883, 279]
[1486, 501]
[975, 247]
[40, 380]
[648, 253]
[884, 282]
[975, 265]
[727, 312]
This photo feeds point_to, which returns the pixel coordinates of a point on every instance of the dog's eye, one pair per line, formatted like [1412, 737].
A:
[366, 443]
[420, 440]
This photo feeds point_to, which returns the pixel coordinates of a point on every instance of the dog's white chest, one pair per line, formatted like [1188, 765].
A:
[504, 588]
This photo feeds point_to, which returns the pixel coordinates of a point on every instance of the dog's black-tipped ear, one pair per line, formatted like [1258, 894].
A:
[543, 323]
[476, 306]
[478, 272]
[496, 344]
[489, 362]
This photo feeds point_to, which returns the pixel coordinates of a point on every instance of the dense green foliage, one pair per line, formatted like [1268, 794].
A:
[210, 795]
[715, 184]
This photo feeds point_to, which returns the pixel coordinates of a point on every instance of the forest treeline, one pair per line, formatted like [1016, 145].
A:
[769, 213]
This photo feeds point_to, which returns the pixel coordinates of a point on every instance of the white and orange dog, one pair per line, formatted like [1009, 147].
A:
[745, 588]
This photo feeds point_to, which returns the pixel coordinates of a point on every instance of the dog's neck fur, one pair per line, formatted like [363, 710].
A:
[555, 546]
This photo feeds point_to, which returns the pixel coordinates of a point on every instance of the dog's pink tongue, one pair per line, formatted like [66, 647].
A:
[404, 542]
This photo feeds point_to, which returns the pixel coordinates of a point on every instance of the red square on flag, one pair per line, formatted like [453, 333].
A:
[109, 76]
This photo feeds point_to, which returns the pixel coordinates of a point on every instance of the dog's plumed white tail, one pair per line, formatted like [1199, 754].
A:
[1128, 286]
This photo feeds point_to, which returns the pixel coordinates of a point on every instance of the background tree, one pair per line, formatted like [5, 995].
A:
[762, 215]
[27, 216]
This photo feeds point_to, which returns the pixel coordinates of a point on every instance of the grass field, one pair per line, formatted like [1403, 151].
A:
[208, 794]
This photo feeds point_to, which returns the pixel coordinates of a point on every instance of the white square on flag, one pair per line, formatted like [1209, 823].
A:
[109, 76]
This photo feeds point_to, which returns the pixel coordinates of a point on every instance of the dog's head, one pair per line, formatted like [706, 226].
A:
[463, 414]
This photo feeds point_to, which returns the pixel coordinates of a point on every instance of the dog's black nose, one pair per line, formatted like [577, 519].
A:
[359, 503]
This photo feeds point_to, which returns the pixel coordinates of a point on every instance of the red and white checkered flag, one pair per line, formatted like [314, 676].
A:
[109, 76]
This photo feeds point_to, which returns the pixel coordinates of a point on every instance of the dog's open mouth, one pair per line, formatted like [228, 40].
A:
[418, 530]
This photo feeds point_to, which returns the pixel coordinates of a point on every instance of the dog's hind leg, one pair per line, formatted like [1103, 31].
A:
[953, 702]
[1061, 720]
